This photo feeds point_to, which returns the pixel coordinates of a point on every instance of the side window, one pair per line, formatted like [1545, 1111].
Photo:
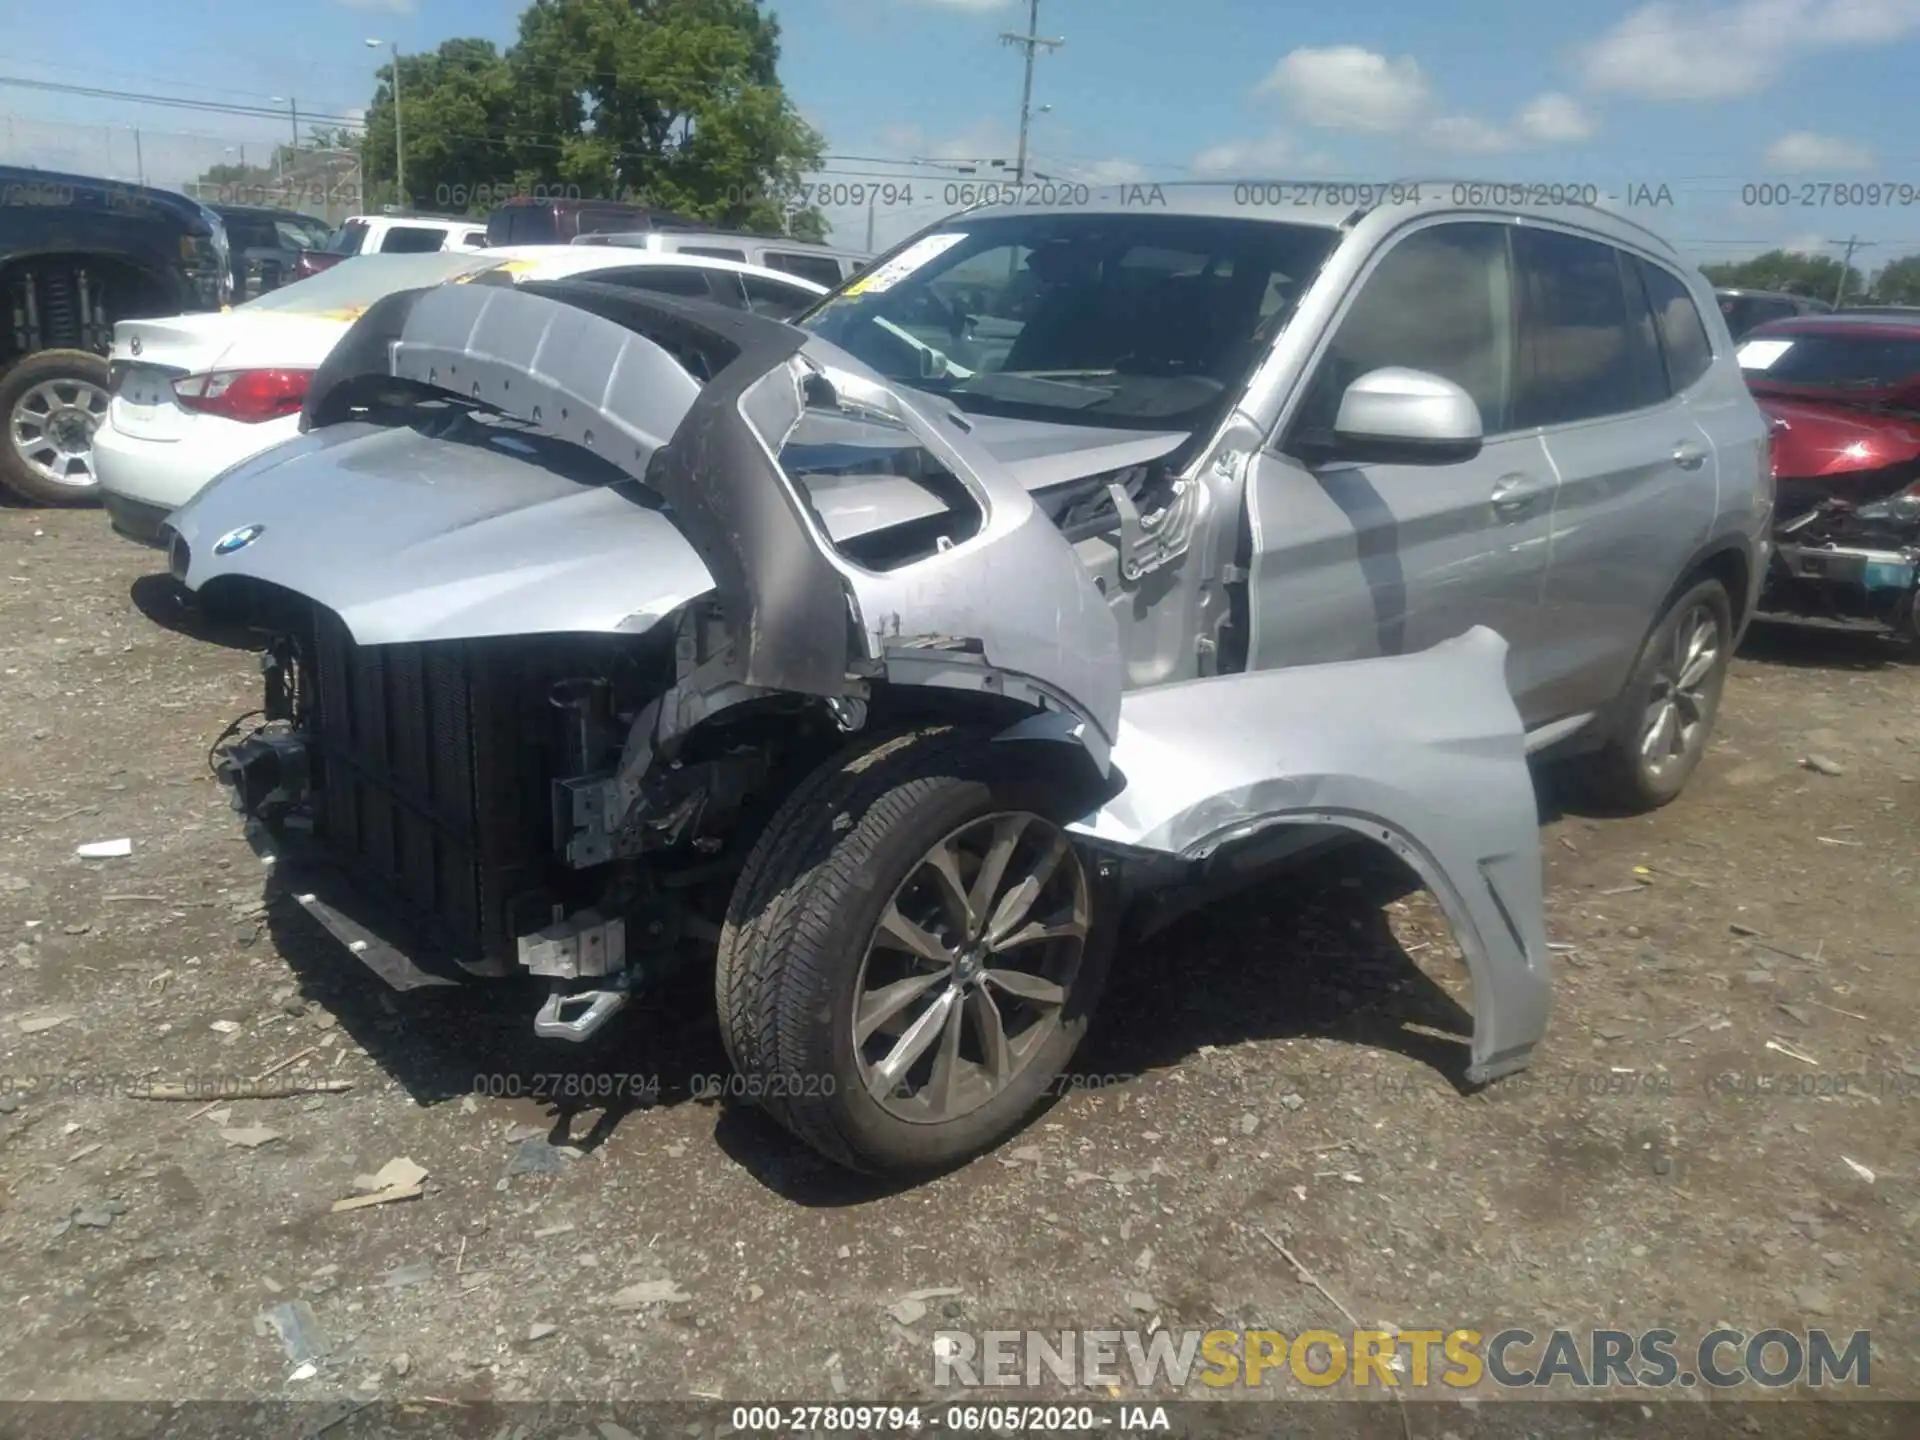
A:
[713, 252]
[821, 269]
[1643, 339]
[1576, 360]
[686, 280]
[412, 240]
[775, 300]
[1439, 301]
[475, 238]
[1683, 335]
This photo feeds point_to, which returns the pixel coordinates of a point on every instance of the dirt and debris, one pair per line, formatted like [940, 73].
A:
[1660, 1165]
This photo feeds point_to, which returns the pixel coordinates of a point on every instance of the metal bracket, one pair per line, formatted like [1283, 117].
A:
[600, 1006]
[1147, 544]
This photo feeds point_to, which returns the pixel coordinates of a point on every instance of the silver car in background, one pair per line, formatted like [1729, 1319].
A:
[1059, 570]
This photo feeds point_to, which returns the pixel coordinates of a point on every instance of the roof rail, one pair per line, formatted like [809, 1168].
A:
[1421, 181]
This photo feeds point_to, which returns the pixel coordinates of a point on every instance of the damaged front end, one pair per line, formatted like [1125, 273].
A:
[570, 588]
[1846, 540]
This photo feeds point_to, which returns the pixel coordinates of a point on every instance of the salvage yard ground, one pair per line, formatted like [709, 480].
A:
[1720, 1128]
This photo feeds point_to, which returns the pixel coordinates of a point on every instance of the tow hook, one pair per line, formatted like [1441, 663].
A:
[584, 946]
[600, 1005]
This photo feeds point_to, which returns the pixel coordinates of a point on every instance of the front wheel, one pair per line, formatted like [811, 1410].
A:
[911, 955]
[1667, 710]
[52, 403]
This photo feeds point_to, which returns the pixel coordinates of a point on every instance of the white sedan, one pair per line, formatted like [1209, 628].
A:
[195, 395]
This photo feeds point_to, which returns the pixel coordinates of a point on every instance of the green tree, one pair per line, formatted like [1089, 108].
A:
[1788, 271]
[458, 110]
[1898, 282]
[675, 102]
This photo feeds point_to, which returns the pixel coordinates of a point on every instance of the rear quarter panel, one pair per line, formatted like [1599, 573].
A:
[1725, 409]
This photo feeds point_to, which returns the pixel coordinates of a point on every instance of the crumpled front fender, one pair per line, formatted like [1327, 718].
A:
[1424, 754]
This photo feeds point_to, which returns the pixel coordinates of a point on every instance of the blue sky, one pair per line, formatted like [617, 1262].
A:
[1705, 99]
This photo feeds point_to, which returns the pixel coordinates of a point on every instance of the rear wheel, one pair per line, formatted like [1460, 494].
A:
[911, 955]
[1667, 710]
[52, 403]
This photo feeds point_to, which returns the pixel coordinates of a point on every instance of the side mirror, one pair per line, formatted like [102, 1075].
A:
[1397, 416]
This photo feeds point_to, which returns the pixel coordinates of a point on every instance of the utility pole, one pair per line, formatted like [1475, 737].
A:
[1032, 42]
[1853, 243]
[139, 160]
[399, 142]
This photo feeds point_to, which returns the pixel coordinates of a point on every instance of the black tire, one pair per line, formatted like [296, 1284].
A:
[1619, 777]
[807, 907]
[80, 367]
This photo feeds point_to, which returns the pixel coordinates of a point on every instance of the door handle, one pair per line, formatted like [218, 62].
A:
[1514, 495]
[1689, 456]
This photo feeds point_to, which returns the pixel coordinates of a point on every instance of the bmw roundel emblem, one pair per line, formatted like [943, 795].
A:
[238, 539]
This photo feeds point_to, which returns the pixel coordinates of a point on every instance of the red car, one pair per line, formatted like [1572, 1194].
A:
[1843, 393]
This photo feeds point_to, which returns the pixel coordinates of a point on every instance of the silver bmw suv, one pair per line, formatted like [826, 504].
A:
[1442, 414]
[1065, 566]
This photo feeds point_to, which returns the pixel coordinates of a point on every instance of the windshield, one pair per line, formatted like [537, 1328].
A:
[1134, 320]
[301, 234]
[1869, 360]
[356, 283]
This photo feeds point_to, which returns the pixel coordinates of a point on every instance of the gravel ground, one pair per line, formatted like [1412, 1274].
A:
[1720, 1128]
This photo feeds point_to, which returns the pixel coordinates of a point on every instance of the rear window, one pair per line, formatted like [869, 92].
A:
[602, 221]
[412, 240]
[521, 225]
[1867, 361]
[821, 269]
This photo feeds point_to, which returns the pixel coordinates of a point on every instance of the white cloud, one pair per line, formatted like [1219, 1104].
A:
[1344, 87]
[391, 7]
[1555, 119]
[975, 5]
[1806, 245]
[1466, 134]
[1802, 150]
[1268, 155]
[1674, 51]
[1117, 170]
[983, 139]
[1347, 88]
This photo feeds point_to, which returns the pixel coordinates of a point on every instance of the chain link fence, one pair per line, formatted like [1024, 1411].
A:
[320, 181]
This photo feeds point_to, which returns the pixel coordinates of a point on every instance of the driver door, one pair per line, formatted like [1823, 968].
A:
[1351, 561]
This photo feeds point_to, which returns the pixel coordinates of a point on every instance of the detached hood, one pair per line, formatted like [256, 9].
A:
[1813, 441]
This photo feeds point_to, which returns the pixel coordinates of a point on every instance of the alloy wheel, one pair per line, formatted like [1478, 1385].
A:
[971, 966]
[1680, 703]
[52, 429]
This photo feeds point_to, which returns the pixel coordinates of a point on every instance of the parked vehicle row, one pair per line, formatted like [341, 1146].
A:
[197, 394]
[78, 255]
[1055, 573]
[1843, 395]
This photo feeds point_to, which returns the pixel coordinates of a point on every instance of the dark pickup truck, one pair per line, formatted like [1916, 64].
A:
[77, 255]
